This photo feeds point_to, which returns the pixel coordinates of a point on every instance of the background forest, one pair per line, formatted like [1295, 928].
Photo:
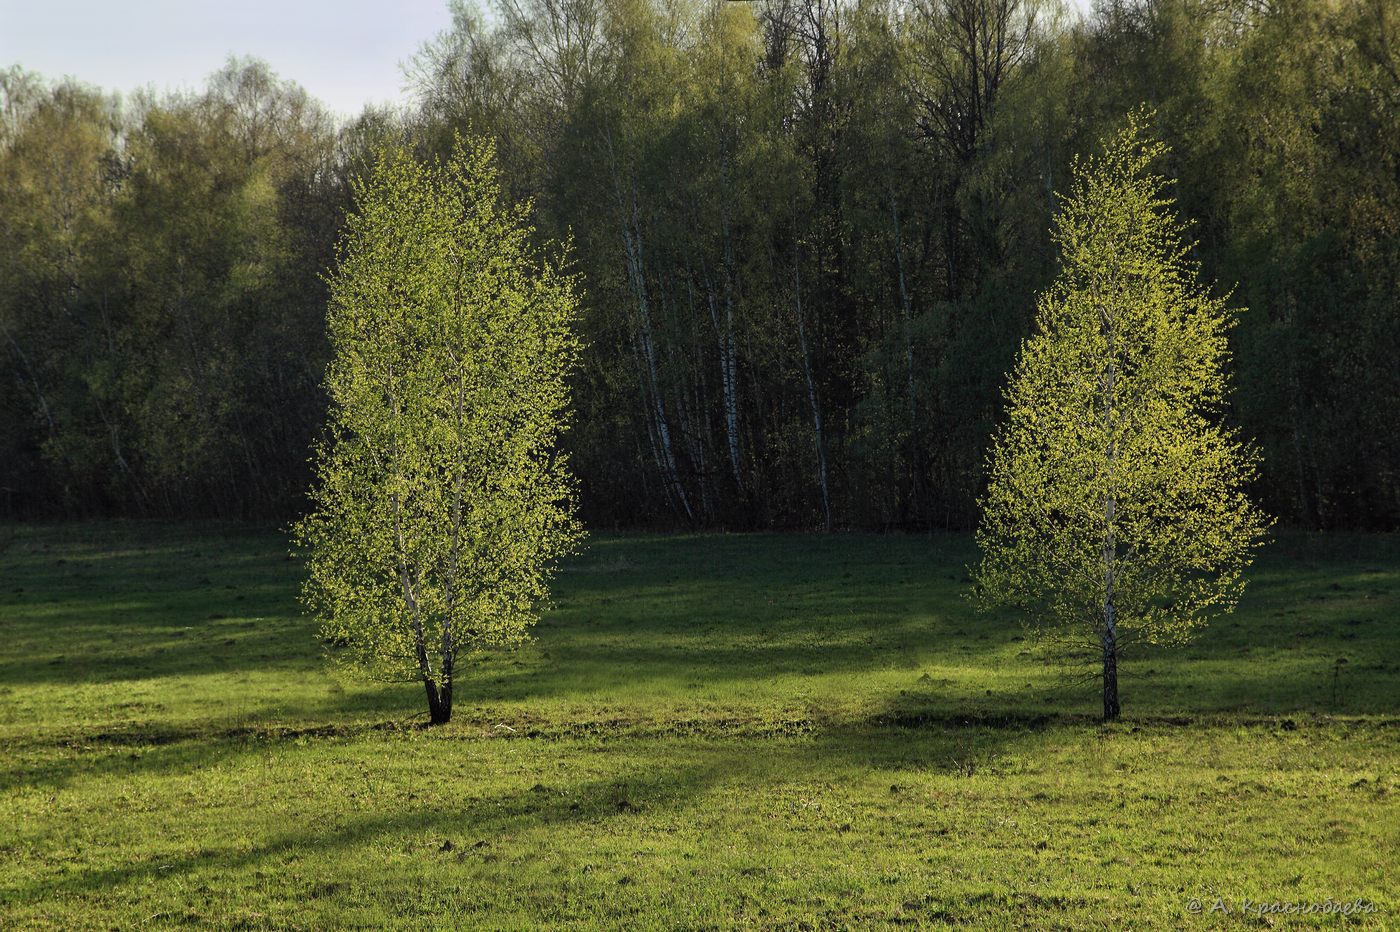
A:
[810, 234]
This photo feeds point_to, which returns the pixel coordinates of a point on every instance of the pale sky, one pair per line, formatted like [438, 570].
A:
[346, 53]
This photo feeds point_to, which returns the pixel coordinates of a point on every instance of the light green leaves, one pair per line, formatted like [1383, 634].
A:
[441, 499]
[1112, 476]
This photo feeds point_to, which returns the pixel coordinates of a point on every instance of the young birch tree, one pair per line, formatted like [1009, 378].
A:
[1116, 509]
[440, 500]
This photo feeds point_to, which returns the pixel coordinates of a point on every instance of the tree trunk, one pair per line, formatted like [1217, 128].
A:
[439, 697]
[916, 463]
[1110, 615]
[658, 430]
[1110, 536]
[812, 398]
[660, 426]
[439, 702]
[728, 364]
[1111, 709]
[34, 380]
[730, 380]
[907, 309]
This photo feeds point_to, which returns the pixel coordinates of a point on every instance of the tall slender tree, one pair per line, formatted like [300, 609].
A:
[1116, 505]
[441, 499]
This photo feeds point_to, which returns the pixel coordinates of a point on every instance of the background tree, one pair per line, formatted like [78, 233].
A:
[1116, 501]
[58, 176]
[440, 499]
[812, 233]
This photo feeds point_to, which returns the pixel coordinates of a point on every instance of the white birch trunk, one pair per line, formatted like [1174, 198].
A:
[666, 449]
[907, 312]
[812, 397]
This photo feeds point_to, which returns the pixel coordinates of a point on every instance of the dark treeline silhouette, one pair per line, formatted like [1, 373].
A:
[810, 234]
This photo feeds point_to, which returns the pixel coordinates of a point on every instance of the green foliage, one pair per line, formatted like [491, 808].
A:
[1115, 495]
[161, 301]
[441, 499]
[893, 166]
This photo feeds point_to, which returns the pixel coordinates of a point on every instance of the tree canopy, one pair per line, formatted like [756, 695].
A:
[811, 232]
[441, 497]
[1116, 507]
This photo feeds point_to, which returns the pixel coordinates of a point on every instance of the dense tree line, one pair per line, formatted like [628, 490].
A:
[810, 233]
[160, 298]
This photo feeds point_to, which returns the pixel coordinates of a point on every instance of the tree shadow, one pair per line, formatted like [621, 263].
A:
[479, 820]
[734, 613]
[125, 750]
[668, 784]
[141, 601]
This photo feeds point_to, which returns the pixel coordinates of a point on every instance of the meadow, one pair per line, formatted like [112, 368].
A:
[708, 731]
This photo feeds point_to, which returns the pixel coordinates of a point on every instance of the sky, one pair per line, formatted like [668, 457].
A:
[346, 53]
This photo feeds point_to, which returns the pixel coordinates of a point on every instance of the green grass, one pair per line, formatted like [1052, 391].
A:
[710, 731]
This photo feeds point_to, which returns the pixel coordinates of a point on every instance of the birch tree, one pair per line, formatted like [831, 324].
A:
[1116, 508]
[441, 500]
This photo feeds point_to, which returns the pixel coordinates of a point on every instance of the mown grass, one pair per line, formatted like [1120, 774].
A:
[709, 732]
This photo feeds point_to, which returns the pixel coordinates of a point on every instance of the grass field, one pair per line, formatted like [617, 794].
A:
[710, 731]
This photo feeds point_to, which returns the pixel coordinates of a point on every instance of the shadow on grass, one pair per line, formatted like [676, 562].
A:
[481, 819]
[717, 610]
[731, 612]
[154, 749]
[905, 719]
[723, 608]
[793, 752]
[145, 601]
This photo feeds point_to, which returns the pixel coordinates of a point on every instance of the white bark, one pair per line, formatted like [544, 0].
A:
[812, 396]
[729, 366]
[907, 311]
[731, 379]
[647, 344]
